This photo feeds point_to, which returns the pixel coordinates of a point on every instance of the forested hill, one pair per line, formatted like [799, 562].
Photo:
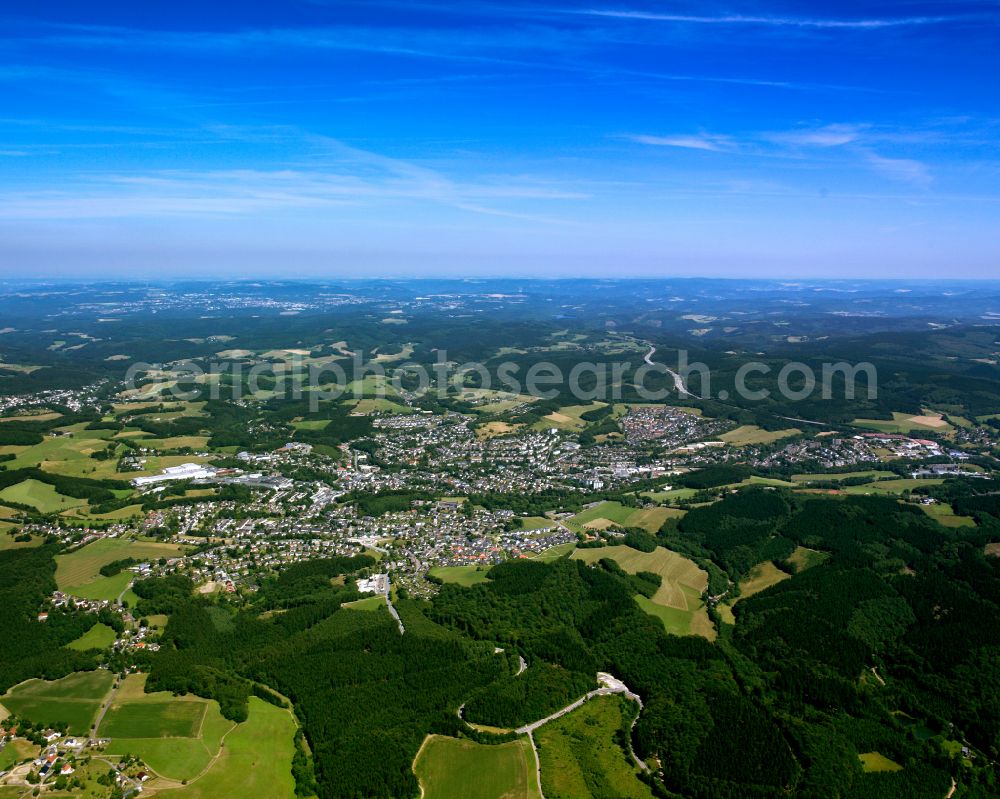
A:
[890, 645]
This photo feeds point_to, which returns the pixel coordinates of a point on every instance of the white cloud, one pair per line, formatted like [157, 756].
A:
[828, 136]
[793, 22]
[901, 170]
[702, 142]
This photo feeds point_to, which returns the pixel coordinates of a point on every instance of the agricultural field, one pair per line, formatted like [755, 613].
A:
[177, 737]
[460, 575]
[899, 486]
[310, 424]
[74, 700]
[905, 423]
[556, 552]
[493, 429]
[535, 523]
[15, 752]
[368, 603]
[492, 401]
[607, 514]
[254, 761]
[368, 406]
[568, 417]
[871, 474]
[678, 601]
[175, 442]
[7, 541]
[751, 434]
[41, 496]
[100, 636]
[672, 495]
[944, 515]
[450, 768]
[761, 577]
[579, 755]
[79, 572]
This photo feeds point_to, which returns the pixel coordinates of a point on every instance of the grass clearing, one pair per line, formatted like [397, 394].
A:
[683, 584]
[579, 755]
[100, 636]
[804, 558]
[83, 566]
[556, 552]
[568, 417]
[876, 762]
[899, 486]
[369, 604]
[460, 575]
[368, 406]
[160, 728]
[170, 717]
[943, 514]
[607, 514]
[761, 577]
[74, 699]
[450, 768]
[493, 429]
[16, 752]
[905, 423]
[871, 474]
[255, 760]
[41, 496]
[748, 434]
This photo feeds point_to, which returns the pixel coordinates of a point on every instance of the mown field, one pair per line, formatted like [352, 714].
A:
[449, 768]
[876, 762]
[751, 434]
[556, 552]
[368, 603]
[568, 417]
[945, 515]
[678, 600]
[905, 423]
[41, 496]
[178, 737]
[255, 760]
[460, 575]
[100, 636]
[79, 572]
[74, 699]
[580, 757]
[761, 577]
[606, 514]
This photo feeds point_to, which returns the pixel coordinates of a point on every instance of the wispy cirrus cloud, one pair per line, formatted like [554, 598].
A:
[826, 136]
[775, 21]
[856, 142]
[700, 142]
[901, 170]
[343, 176]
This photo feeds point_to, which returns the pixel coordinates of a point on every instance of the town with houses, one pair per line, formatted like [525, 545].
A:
[230, 546]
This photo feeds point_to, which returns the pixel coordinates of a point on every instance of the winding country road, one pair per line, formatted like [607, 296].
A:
[609, 685]
[678, 380]
[392, 608]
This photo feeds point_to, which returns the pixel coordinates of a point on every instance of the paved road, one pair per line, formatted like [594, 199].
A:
[609, 685]
[392, 608]
[118, 601]
[678, 380]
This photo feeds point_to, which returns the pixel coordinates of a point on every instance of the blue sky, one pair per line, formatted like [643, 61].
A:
[627, 137]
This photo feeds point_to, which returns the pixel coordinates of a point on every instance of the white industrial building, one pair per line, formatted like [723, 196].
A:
[186, 471]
